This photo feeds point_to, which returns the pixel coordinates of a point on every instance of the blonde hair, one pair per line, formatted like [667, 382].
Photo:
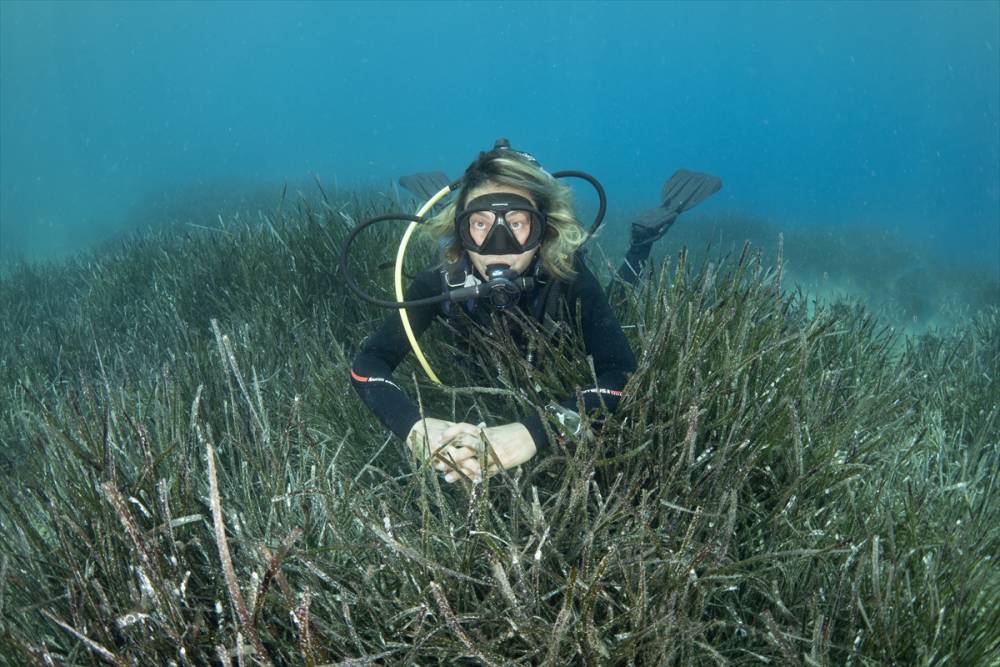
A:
[563, 234]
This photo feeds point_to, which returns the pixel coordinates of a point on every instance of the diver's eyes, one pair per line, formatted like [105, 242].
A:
[481, 220]
[517, 219]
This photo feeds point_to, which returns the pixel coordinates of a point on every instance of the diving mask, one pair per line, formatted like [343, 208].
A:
[500, 224]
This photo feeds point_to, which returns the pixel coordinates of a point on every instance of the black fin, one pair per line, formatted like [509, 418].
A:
[686, 189]
[426, 184]
[682, 192]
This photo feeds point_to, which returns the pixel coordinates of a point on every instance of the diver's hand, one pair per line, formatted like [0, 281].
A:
[509, 446]
[424, 437]
[451, 445]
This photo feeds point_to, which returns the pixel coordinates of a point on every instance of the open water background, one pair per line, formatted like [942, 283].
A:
[871, 118]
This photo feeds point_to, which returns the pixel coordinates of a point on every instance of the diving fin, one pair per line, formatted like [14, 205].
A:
[681, 192]
[425, 184]
[686, 189]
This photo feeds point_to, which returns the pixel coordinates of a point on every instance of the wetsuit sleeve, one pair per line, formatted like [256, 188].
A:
[605, 343]
[371, 372]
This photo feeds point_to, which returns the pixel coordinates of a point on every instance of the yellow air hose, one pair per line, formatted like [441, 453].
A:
[442, 193]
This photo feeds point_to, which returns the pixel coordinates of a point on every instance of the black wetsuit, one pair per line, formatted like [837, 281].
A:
[602, 334]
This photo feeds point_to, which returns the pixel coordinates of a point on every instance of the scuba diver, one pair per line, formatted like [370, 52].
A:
[510, 243]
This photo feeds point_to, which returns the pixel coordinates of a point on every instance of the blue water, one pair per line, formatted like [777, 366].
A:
[878, 115]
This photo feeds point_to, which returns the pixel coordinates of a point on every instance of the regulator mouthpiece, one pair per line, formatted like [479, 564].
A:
[502, 286]
[501, 289]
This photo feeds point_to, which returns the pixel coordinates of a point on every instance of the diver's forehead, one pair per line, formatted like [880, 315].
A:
[496, 188]
[498, 201]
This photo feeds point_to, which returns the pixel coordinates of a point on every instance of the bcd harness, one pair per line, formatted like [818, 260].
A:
[547, 297]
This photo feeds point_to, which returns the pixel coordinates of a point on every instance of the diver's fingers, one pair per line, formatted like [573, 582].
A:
[459, 431]
[464, 452]
[452, 456]
[471, 441]
[489, 464]
[469, 469]
[473, 470]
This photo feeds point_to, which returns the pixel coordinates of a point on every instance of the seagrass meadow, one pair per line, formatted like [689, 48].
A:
[190, 480]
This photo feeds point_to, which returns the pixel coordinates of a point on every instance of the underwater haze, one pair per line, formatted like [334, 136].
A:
[801, 470]
[867, 117]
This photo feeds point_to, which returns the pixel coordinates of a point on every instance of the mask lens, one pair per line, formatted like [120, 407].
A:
[481, 222]
[520, 225]
[500, 223]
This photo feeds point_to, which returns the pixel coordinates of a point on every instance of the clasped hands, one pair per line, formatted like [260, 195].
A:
[459, 449]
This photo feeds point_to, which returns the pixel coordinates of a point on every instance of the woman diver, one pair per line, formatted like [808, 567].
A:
[510, 240]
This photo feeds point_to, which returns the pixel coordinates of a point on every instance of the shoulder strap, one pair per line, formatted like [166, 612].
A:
[454, 275]
[548, 306]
